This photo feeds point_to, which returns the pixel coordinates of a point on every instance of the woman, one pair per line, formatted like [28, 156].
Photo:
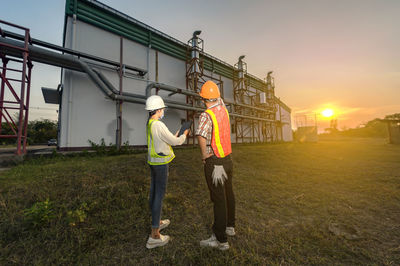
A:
[160, 154]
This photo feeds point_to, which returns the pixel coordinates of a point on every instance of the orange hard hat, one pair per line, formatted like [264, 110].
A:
[209, 90]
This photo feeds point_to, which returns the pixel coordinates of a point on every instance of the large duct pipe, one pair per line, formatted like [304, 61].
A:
[270, 86]
[39, 54]
[40, 43]
[240, 68]
[195, 53]
[241, 73]
[189, 93]
[128, 94]
[156, 85]
[67, 61]
[109, 89]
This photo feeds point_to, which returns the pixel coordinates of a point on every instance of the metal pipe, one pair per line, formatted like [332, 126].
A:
[67, 61]
[2, 91]
[157, 85]
[133, 95]
[139, 98]
[195, 53]
[189, 93]
[69, 111]
[119, 104]
[193, 94]
[41, 55]
[96, 80]
[16, 36]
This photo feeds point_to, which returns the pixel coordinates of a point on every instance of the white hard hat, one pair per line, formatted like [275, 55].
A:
[154, 102]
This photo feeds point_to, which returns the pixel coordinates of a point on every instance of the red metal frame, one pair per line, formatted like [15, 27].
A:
[18, 102]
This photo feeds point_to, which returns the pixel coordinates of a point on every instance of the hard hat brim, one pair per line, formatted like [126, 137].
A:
[147, 109]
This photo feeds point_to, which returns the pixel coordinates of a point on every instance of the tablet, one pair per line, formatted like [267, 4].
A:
[185, 125]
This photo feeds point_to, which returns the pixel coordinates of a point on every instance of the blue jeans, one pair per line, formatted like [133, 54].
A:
[159, 178]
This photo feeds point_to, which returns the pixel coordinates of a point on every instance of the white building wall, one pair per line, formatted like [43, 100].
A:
[284, 116]
[86, 114]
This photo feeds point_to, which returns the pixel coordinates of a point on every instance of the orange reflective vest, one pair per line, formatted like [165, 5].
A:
[221, 134]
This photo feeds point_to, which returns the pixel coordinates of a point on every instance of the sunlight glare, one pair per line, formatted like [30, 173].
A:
[327, 112]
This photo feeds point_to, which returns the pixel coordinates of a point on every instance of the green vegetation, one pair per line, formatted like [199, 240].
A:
[39, 132]
[332, 202]
[372, 129]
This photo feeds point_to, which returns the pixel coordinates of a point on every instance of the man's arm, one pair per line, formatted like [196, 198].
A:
[203, 148]
[204, 126]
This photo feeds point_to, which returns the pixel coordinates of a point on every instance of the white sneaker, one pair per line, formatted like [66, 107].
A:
[214, 243]
[230, 231]
[157, 242]
[164, 224]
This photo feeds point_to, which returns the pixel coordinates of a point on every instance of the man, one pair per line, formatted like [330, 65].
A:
[160, 154]
[214, 137]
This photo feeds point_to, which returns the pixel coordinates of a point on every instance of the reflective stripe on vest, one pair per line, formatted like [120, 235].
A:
[221, 136]
[152, 157]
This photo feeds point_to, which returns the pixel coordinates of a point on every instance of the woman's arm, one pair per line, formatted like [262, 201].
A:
[166, 136]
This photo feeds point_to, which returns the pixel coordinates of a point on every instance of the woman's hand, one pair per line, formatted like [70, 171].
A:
[186, 132]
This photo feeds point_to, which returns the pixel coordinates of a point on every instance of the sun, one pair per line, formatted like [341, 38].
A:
[327, 113]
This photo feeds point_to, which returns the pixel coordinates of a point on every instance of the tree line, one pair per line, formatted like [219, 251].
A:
[39, 132]
[375, 128]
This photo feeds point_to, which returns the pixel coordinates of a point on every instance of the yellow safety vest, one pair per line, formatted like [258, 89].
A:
[152, 157]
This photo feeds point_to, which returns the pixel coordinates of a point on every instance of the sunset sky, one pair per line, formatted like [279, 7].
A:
[343, 54]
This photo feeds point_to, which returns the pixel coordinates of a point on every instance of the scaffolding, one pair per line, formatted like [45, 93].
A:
[264, 100]
[194, 73]
[307, 127]
[195, 78]
[271, 130]
[16, 88]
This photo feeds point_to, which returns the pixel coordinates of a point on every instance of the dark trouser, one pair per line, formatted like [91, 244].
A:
[159, 178]
[221, 196]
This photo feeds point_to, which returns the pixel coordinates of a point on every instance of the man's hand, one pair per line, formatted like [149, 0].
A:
[205, 156]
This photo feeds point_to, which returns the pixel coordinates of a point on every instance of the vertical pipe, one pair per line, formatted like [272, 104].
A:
[242, 85]
[195, 55]
[28, 90]
[157, 71]
[2, 92]
[221, 86]
[119, 103]
[70, 109]
[148, 61]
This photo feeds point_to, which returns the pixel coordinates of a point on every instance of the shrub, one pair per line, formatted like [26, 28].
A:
[40, 214]
[77, 216]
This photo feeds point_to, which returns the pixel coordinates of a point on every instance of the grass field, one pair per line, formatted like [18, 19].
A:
[333, 202]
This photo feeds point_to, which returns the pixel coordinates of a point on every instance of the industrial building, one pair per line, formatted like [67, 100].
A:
[111, 62]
